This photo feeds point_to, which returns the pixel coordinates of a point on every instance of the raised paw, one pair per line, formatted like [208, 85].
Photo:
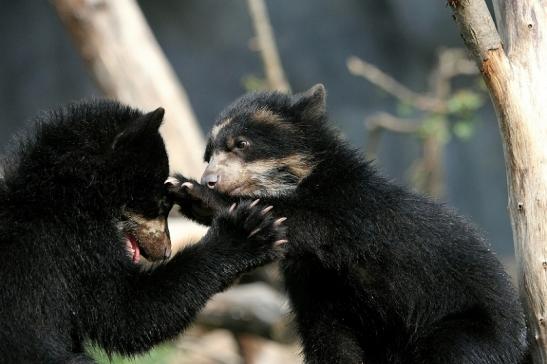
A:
[257, 230]
[182, 187]
[196, 201]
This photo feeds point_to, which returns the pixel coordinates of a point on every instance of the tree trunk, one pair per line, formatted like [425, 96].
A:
[265, 40]
[127, 63]
[513, 67]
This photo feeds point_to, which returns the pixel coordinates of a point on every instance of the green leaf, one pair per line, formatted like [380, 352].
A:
[464, 101]
[463, 129]
[404, 109]
[435, 126]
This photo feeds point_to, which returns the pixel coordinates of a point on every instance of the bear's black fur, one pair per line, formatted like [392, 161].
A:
[375, 273]
[70, 191]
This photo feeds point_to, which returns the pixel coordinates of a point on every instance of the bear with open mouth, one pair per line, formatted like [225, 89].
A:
[82, 201]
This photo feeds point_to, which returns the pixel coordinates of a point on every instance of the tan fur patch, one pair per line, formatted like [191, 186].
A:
[254, 178]
[296, 163]
[229, 167]
[154, 226]
[264, 115]
[151, 235]
[217, 128]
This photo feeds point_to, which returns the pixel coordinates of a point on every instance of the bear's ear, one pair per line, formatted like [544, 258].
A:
[311, 104]
[144, 126]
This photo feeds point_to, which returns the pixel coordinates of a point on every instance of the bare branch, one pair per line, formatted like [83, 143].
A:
[378, 123]
[455, 62]
[267, 46]
[451, 63]
[387, 83]
[477, 27]
[392, 123]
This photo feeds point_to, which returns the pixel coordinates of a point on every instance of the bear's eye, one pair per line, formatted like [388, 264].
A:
[242, 144]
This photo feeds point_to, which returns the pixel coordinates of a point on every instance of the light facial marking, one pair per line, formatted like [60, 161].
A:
[227, 165]
[154, 226]
[151, 235]
[296, 163]
[260, 177]
[218, 127]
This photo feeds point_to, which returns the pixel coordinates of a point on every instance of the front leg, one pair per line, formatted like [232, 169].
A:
[325, 339]
[196, 201]
[320, 300]
[132, 311]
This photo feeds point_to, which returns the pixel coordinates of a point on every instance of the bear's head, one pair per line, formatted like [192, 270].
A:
[95, 162]
[266, 143]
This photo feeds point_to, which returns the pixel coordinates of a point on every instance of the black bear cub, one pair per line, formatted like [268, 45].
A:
[374, 273]
[81, 201]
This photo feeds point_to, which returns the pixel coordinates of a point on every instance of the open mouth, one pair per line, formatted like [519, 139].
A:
[133, 248]
[145, 239]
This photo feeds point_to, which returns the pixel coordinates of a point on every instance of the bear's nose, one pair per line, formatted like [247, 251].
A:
[210, 180]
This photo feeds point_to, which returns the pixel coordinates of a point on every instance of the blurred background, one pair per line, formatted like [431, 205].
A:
[399, 88]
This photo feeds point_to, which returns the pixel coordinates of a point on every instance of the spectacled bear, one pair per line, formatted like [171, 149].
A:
[374, 273]
[82, 199]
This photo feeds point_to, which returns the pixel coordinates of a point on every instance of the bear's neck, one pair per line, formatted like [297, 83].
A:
[338, 168]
